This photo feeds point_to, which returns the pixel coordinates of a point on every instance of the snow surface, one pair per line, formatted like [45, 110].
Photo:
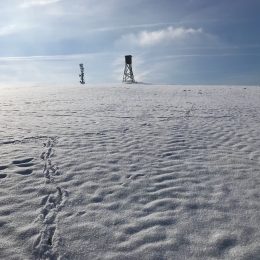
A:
[130, 172]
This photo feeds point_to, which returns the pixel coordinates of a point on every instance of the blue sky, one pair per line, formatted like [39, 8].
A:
[172, 41]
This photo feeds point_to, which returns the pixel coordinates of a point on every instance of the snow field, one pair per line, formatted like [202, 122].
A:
[130, 172]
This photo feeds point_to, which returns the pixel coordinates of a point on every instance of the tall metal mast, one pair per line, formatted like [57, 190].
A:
[82, 74]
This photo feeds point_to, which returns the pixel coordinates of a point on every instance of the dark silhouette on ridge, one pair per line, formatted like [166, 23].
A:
[128, 76]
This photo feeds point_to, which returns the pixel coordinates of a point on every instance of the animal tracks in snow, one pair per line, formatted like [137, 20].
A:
[52, 202]
[54, 196]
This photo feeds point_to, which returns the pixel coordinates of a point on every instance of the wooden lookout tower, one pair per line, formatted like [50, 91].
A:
[128, 76]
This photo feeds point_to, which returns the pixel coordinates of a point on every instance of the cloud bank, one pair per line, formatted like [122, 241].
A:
[13, 29]
[7, 30]
[31, 3]
[152, 38]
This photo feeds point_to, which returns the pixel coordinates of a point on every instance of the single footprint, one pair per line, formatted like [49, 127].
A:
[25, 172]
[3, 175]
[16, 162]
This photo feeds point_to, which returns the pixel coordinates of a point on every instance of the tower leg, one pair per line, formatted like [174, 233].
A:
[128, 74]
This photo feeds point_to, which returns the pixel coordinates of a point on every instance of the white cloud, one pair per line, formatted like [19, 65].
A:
[170, 34]
[13, 29]
[7, 30]
[31, 3]
[66, 57]
[130, 26]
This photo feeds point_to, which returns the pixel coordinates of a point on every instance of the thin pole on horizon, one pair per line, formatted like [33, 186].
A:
[82, 74]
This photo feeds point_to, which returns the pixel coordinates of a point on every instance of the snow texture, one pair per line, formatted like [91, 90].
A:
[130, 172]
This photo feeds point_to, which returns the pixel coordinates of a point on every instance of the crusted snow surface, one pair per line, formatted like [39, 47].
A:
[130, 172]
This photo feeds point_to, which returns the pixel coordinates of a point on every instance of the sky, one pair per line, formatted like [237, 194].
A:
[172, 41]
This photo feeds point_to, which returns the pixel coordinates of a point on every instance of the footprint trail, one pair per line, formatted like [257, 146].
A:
[45, 245]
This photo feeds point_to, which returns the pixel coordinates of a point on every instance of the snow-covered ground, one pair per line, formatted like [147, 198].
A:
[130, 172]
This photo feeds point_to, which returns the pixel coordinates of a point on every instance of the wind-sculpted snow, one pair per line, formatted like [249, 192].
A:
[130, 172]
